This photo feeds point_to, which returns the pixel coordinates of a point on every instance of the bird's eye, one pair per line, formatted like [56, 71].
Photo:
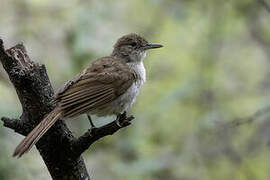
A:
[133, 44]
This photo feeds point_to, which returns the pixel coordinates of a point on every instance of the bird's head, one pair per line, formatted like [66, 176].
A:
[132, 47]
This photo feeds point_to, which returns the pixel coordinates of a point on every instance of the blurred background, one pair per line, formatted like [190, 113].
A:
[203, 113]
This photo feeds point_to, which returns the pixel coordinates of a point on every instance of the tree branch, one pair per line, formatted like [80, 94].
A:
[94, 134]
[241, 121]
[14, 124]
[59, 149]
[264, 4]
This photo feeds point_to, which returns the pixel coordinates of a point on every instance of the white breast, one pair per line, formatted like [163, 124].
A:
[138, 67]
[126, 100]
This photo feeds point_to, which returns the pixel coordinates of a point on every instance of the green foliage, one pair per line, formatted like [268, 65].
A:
[213, 69]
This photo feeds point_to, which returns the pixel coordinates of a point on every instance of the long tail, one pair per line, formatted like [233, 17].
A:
[32, 138]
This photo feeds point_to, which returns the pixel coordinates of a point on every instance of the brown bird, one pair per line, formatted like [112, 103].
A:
[108, 86]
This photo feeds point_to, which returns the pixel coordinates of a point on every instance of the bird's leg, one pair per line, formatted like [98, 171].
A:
[121, 119]
[91, 122]
[118, 117]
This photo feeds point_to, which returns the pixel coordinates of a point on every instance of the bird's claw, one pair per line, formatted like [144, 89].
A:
[122, 119]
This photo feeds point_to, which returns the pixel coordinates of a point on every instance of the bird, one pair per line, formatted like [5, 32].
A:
[108, 86]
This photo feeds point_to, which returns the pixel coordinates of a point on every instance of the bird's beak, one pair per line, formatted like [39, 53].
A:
[152, 46]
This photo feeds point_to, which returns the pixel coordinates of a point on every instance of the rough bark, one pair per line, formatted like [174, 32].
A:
[59, 149]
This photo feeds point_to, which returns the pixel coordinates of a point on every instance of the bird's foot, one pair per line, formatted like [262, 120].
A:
[123, 120]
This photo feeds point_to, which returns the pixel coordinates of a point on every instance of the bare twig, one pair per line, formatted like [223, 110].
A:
[94, 134]
[264, 4]
[14, 124]
[59, 149]
[241, 121]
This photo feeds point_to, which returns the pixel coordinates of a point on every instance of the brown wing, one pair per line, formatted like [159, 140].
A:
[102, 82]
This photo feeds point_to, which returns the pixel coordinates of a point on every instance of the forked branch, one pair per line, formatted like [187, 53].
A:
[60, 150]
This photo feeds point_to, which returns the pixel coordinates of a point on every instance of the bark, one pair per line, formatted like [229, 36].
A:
[60, 150]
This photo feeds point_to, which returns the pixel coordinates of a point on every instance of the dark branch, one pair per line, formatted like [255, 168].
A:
[241, 121]
[264, 4]
[14, 124]
[58, 147]
[35, 93]
[94, 134]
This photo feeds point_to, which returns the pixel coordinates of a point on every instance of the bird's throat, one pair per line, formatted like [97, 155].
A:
[138, 67]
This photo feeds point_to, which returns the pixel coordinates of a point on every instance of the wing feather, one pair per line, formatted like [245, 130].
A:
[90, 105]
[101, 83]
[83, 94]
[85, 97]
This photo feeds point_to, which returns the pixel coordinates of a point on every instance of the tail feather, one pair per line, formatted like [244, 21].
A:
[32, 138]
